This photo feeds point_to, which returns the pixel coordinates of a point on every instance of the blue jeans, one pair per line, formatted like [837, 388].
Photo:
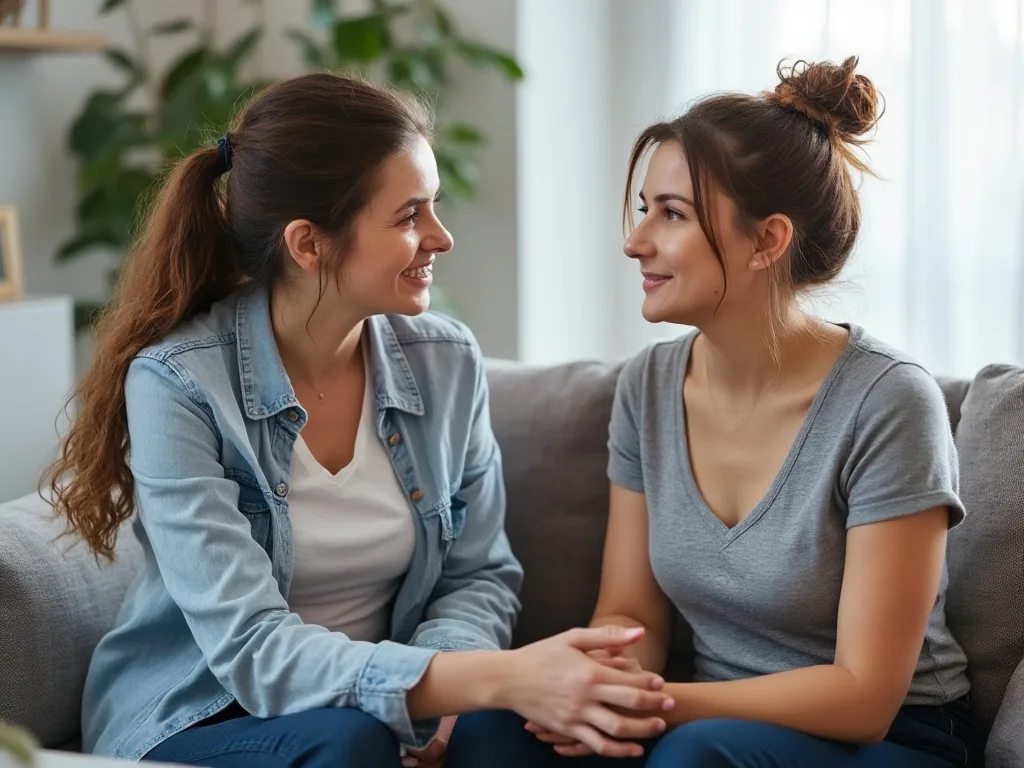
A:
[920, 737]
[319, 738]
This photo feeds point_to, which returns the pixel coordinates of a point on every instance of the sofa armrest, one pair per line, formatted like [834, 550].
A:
[1005, 747]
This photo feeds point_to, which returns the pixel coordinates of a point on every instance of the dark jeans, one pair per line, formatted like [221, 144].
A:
[319, 738]
[920, 737]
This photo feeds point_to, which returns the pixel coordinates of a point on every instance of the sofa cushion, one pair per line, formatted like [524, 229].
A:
[56, 602]
[551, 423]
[985, 605]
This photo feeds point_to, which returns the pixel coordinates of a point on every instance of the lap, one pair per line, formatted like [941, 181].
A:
[745, 744]
[340, 738]
[498, 739]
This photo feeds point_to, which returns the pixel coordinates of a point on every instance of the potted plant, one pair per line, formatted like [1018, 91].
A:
[125, 136]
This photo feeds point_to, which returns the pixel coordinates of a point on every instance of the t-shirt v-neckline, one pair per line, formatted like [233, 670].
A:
[714, 523]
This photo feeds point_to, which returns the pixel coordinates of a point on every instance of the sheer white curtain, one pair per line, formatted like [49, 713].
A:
[939, 269]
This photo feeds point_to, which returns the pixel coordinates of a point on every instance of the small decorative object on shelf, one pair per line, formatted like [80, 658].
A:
[11, 11]
[17, 747]
[10, 255]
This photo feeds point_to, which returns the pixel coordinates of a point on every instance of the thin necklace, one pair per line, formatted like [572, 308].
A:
[757, 400]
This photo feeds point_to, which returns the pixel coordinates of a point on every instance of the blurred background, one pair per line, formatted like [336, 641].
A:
[538, 102]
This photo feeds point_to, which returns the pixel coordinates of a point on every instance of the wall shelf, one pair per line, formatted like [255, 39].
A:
[43, 40]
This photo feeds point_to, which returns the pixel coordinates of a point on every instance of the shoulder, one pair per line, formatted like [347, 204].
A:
[655, 367]
[431, 328]
[442, 353]
[200, 351]
[889, 377]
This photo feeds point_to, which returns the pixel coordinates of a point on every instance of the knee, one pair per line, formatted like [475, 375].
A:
[350, 737]
[703, 743]
[495, 739]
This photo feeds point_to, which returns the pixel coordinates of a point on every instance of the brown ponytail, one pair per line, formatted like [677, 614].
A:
[306, 148]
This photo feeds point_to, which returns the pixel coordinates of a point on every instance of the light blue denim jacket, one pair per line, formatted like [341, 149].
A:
[212, 420]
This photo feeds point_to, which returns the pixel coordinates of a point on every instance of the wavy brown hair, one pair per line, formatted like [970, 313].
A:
[307, 148]
[786, 151]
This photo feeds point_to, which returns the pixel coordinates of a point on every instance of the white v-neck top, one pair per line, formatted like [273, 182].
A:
[353, 536]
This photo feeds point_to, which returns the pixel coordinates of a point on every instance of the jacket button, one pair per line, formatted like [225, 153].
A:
[417, 495]
[293, 415]
[395, 439]
[281, 489]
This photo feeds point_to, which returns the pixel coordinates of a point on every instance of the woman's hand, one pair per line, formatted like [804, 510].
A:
[560, 689]
[566, 745]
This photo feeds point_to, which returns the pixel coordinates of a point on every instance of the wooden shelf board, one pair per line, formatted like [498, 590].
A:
[20, 39]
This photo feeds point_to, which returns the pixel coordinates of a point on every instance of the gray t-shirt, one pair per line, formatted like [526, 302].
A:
[763, 596]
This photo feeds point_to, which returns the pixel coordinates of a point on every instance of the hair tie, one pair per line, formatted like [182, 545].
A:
[224, 149]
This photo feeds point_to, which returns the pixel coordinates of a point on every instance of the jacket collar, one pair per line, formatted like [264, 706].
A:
[265, 387]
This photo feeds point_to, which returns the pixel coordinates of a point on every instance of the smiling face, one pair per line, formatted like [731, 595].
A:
[683, 279]
[396, 237]
[387, 264]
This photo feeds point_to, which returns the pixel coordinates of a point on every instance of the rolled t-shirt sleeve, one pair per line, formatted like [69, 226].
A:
[624, 461]
[903, 459]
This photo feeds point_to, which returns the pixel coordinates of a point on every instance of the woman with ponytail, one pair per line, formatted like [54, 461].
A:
[307, 459]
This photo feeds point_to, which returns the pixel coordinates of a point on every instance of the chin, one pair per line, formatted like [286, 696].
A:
[655, 311]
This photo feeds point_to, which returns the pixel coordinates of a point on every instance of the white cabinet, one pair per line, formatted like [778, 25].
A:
[36, 374]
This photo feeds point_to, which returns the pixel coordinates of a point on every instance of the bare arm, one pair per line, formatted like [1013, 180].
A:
[890, 582]
[629, 594]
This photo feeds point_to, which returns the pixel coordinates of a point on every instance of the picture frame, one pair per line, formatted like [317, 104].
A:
[10, 255]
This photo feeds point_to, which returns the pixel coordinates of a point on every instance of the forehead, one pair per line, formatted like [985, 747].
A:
[667, 171]
[412, 171]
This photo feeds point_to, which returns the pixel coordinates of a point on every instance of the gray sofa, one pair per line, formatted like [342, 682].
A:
[551, 422]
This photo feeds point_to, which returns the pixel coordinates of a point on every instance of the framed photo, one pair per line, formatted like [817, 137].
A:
[10, 255]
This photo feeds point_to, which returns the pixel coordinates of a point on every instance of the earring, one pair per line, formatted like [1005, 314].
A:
[754, 263]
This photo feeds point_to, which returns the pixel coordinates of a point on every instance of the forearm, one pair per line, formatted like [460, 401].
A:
[650, 652]
[455, 683]
[827, 701]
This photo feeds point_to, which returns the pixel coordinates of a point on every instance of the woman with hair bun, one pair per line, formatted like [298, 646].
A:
[784, 482]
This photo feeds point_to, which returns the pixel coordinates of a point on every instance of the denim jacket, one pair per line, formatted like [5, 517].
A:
[212, 420]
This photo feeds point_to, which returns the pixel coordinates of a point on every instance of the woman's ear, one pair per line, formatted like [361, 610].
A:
[301, 241]
[774, 237]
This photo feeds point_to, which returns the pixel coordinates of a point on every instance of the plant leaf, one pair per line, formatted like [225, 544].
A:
[322, 14]
[312, 53]
[126, 63]
[444, 22]
[172, 27]
[186, 67]
[412, 68]
[86, 313]
[241, 48]
[483, 55]
[111, 5]
[463, 133]
[458, 175]
[96, 123]
[360, 40]
[84, 242]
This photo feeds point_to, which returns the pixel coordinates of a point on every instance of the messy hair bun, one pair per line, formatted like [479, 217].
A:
[832, 95]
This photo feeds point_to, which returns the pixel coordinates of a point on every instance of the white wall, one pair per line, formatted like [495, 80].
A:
[41, 94]
[594, 80]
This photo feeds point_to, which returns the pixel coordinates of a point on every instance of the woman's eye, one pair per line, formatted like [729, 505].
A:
[643, 209]
[411, 218]
[673, 215]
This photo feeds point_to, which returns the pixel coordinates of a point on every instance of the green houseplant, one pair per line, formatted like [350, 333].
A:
[125, 136]
[16, 745]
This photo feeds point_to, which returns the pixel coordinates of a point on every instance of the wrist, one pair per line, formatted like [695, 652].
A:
[495, 690]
